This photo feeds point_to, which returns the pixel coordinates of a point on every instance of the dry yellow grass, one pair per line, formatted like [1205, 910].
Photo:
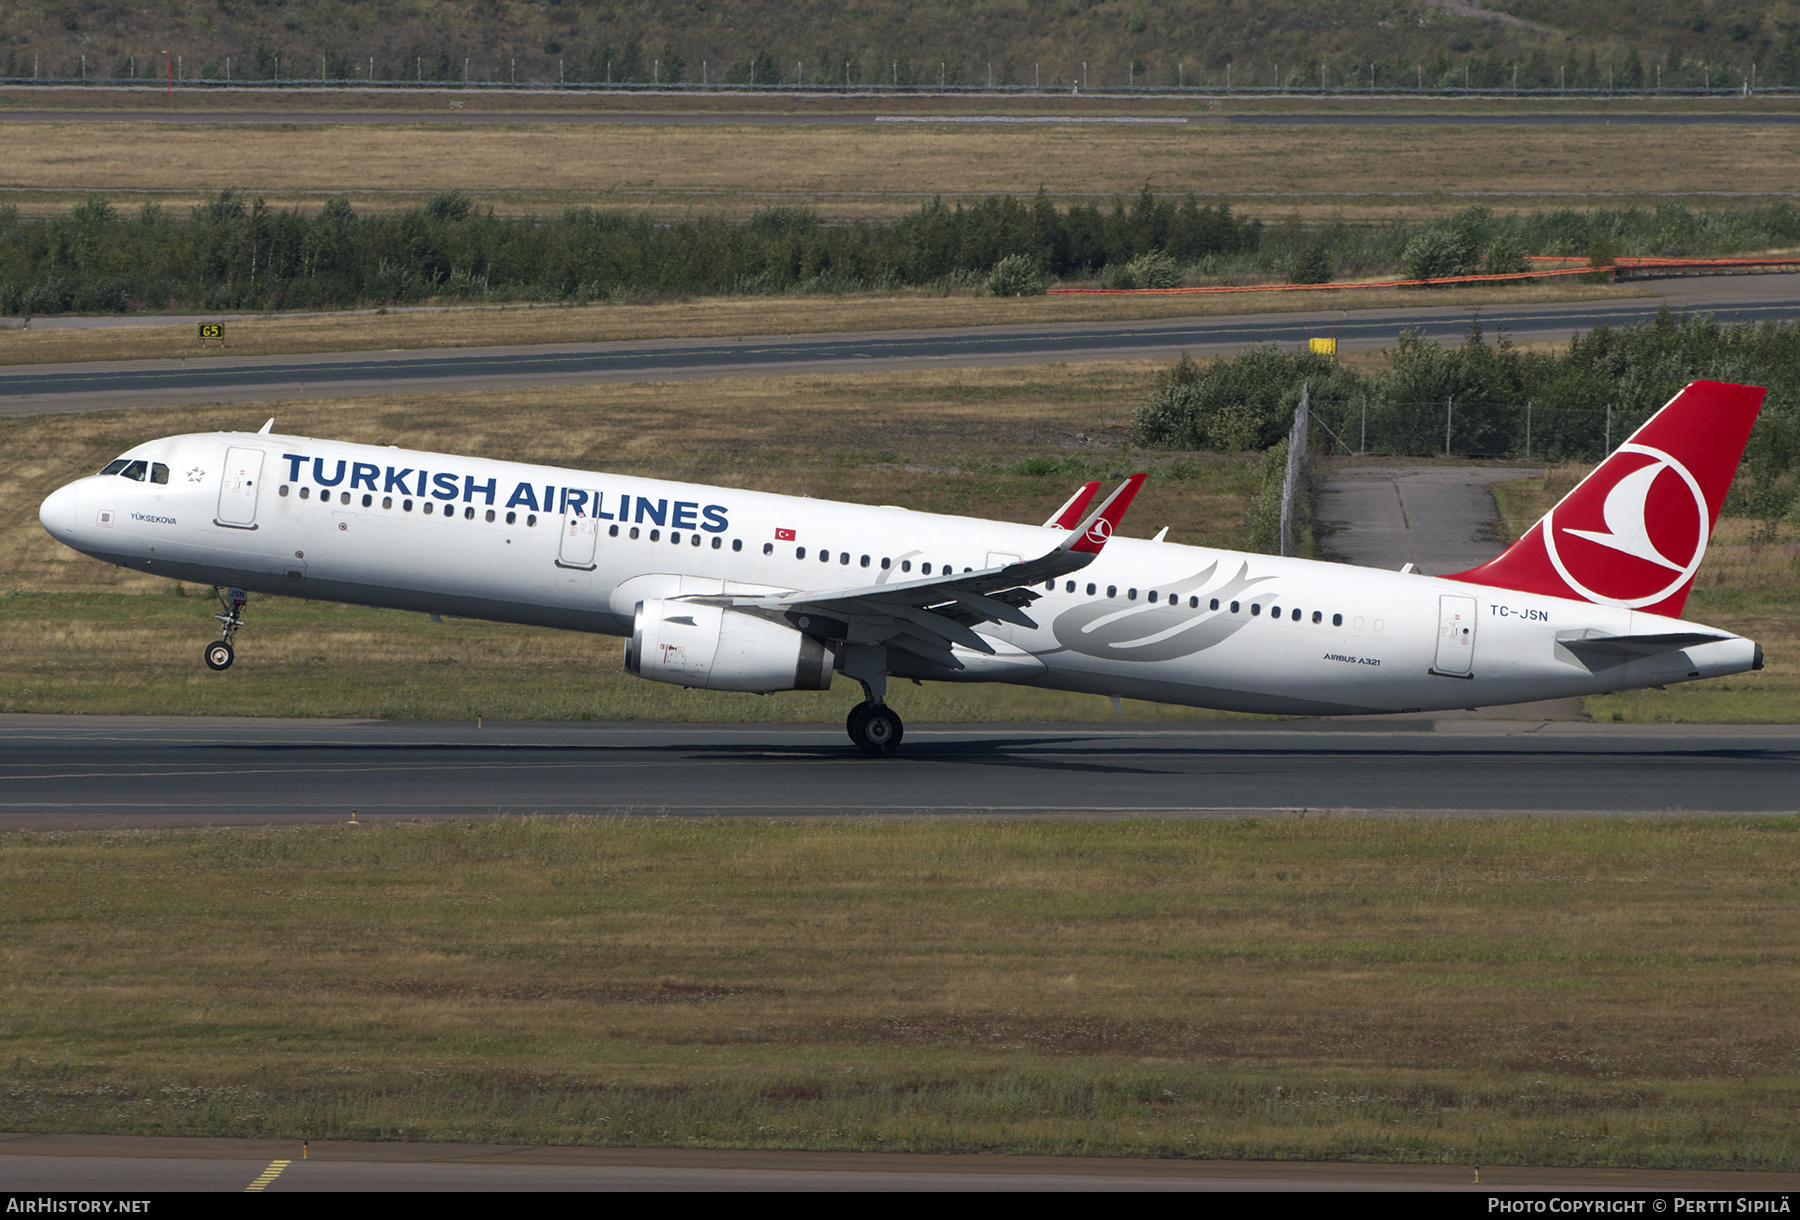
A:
[879, 170]
[722, 317]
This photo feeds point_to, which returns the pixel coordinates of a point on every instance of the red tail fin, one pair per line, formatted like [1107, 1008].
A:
[1633, 533]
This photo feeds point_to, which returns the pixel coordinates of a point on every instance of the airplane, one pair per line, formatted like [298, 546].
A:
[722, 589]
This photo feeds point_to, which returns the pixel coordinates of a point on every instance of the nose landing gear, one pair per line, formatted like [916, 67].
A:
[219, 654]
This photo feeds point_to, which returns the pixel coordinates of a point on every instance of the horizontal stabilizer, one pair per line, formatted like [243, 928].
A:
[1631, 647]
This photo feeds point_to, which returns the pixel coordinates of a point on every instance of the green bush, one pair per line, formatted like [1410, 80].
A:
[1311, 266]
[1015, 276]
[1439, 252]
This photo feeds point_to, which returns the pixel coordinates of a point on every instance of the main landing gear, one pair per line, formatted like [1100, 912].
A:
[872, 724]
[218, 653]
[874, 728]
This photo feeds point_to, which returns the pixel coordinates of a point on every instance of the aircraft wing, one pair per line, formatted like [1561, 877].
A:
[927, 617]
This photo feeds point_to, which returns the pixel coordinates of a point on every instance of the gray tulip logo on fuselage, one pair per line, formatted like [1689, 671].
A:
[1156, 632]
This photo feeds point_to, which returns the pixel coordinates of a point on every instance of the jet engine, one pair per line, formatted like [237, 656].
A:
[713, 648]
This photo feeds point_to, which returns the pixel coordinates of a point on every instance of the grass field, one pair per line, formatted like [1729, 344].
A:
[881, 170]
[1508, 991]
[726, 317]
[86, 637]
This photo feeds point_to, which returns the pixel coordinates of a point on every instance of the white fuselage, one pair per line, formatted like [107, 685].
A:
[519, 543]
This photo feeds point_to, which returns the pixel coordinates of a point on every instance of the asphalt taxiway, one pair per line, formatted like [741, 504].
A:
[31, 389]
[81, 773]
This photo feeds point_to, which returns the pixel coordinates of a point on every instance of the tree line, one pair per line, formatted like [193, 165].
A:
[236, 253]
[233, 253]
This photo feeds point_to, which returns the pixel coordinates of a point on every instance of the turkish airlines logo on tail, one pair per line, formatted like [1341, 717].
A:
[1099, 531]
[1634, 534]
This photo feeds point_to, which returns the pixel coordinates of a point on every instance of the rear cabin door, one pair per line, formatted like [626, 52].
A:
[1456, 636]
[238, 488]
[580, 534]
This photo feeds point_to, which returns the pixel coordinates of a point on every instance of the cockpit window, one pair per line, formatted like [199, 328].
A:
[159, 473]
[114, 467]
[136, 471]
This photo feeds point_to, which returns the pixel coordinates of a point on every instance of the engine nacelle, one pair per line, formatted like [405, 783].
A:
[712, 648]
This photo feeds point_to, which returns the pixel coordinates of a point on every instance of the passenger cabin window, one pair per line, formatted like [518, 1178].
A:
[1337, 620]
[1317, 617]
[925, 568]
[799, 552]
[1214, 605]
[737, 544]
[906, 565]
[768, 548]
[1234, 607]
[1112, 590]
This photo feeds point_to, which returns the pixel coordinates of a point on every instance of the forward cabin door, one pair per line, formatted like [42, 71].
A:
[1456, 637]
[580, 533]
[238, 488]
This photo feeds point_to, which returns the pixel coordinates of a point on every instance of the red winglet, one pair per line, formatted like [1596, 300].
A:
[1632, 533]
[1069, 515]
[1101, 523]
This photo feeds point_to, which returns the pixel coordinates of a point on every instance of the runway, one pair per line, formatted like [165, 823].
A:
[860, 111]
[103, 386]
[73, 773]
[100, 1165]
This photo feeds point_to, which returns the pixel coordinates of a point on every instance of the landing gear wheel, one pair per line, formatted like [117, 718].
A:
[854, 720]
[878, 731]
[218, 655]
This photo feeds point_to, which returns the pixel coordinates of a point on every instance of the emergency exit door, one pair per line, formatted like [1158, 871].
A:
[238, 488]
[1456, 637]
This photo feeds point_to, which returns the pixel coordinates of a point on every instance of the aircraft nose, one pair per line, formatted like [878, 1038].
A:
[57, 512]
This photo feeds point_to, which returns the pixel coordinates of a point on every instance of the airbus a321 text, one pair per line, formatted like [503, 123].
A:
[735, 590]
